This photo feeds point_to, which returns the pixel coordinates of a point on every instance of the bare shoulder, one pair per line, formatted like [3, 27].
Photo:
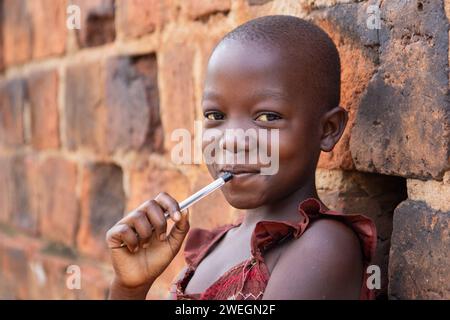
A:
[324, 263]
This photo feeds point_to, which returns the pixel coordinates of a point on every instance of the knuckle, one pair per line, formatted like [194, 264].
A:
[161, 195]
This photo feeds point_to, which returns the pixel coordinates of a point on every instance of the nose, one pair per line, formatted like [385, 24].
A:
[236, 139]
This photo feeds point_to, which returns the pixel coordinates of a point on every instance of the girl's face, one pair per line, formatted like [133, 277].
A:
[250, 88]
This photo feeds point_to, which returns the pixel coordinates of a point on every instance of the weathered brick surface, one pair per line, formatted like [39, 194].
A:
[42, 93]
[55, 199]
[102, 205]
[33, 29]
[32, 269]
[358, 50]
[402, 125]
[86, 118]
[2, 63]
[17, 32]
[12, 104]
[132, 103]
[435, 193]
[200, 9]
[140, 17]
[147, 179]
[113, 105]
[176, 65]
[419, 260]
[49, 29]
[16, 194]
[83, 106]
[97, 22]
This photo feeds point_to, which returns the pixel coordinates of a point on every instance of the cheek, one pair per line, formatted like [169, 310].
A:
[210, 141]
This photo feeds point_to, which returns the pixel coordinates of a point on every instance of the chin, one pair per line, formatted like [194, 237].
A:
[243, 201]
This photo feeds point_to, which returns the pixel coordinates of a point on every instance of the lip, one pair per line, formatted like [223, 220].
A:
[240, 170]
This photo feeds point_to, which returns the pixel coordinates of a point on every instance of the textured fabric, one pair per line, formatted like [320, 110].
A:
[248, 279]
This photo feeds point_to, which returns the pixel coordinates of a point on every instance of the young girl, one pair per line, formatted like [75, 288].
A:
[274, 72]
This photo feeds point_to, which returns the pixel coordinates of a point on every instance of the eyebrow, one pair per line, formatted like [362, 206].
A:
[259, 95]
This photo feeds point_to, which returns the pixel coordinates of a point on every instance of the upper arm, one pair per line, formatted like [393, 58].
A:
[324, 263]
[172, 290]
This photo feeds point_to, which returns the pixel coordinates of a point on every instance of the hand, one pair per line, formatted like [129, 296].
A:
[147, 251]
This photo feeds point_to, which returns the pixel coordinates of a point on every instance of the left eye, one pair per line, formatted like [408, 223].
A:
[265, 117]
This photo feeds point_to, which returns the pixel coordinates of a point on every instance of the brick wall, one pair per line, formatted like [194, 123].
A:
[86, 117]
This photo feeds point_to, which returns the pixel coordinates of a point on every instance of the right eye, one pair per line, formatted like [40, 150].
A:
[214, 115]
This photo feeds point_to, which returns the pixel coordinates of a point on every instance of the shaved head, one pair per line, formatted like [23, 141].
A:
[307, 49]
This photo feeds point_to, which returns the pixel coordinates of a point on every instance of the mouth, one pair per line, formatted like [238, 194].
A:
[241, 171]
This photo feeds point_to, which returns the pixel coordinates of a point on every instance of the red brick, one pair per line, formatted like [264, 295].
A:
[401, 127]
[200, 9]
[32, 269]
[2, 63]
[55, 199]
[12, 104]
[139, 17]
[177, 87]
[94, 281]
[14, 273]
[148, 179]
[38, 196]
[42, 92]
[419, 256]
[102, 205]
[84, 106]
[33, 29]
[97, 22]
[113, 109]
[257, 2]
[132, 103]
[49, 30]
[17, 32]
[358, 54]
[15, 193]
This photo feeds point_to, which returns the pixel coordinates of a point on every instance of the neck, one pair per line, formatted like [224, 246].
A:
[283, 209]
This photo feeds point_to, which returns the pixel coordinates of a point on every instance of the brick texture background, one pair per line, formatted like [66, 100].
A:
[86, 117]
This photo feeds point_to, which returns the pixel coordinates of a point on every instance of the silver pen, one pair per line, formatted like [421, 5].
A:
[200, 194]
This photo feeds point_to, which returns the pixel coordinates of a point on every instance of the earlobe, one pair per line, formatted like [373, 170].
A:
[333, 123]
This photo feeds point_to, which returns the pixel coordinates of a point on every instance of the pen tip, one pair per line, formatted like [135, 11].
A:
[227, 176]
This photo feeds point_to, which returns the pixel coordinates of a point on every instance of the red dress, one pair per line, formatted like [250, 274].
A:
[248, 279]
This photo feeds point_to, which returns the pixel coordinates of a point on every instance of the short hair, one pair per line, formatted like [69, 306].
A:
[307, 45]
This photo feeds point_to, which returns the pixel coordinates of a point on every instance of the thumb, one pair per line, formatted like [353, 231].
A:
[180, 229]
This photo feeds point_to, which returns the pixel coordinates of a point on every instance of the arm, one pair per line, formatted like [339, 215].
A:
[120, 292]
[325, 263]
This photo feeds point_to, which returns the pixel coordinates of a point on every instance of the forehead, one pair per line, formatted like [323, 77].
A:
[244, 70]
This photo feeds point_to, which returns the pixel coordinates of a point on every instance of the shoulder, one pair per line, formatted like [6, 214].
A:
[324, 263]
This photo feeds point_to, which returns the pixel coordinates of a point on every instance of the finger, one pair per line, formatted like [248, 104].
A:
[122, 233]
[180, 229]
[156, 216]
[142, 226]
[170, 205]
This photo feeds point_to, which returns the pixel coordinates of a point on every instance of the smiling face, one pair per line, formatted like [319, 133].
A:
[247, 87]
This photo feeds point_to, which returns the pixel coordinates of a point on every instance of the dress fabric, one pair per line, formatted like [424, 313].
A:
[248, 279]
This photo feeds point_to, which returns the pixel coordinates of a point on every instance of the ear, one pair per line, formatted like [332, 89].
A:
[333, 124]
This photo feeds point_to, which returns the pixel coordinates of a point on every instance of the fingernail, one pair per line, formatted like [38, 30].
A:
[177, 216]
[136, 249]
[162, 237]
[145, 246]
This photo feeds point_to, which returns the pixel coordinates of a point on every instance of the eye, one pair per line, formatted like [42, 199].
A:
[268, 116]
[214, 115]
